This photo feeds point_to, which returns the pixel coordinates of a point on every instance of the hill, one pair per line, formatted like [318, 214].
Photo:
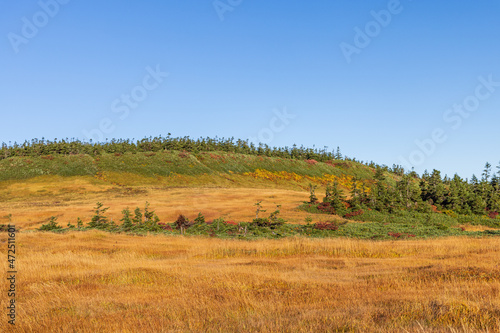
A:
[69, 174]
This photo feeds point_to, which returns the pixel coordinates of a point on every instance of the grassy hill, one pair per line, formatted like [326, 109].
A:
[152, 167]
[33, 188]
[323, 270]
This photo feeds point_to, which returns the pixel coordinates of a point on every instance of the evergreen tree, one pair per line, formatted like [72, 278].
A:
[408, 192]
[99, 220]
[487, 172]
[148, 215]
[338, 155]
[126, 220]
[355, 200]
[312, 197]
[200, 219]
[338, 199]
[137, 216]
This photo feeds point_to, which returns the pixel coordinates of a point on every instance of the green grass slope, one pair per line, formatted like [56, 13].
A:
[172, 163]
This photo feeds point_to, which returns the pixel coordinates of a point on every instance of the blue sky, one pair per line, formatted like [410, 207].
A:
[378, 78]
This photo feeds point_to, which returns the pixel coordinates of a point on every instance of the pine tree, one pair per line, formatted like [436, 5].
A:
[200, 219]
[337, 199]
[338, 155]
[486, 172]
[148, 215]
[126, 220]
[312, 197]
[355, 200]
[99, 220]
[408, 193]
[79, 223]
[137, 216]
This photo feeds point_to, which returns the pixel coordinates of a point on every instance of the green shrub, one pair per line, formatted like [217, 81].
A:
[51, 226]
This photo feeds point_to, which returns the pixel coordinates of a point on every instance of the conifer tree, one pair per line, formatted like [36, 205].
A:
[99, 220]
[487, 172]
[137, 216]
[312, 197]
[126, 220]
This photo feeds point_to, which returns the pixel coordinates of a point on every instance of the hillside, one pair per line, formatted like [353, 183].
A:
[64, 180]
[170, 236]
[217, 183]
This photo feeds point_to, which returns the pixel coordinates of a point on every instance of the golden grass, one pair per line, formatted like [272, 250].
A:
[99, 282]
[34, 201]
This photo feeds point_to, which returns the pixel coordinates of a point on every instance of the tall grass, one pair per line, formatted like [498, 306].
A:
[97, 282]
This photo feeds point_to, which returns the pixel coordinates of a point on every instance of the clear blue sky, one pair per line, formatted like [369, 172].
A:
[371, 87]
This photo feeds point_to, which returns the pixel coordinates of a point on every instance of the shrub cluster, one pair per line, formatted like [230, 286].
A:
[326, 226]
[352, 214]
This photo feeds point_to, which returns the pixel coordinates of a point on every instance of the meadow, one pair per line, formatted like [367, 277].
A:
[409, 270]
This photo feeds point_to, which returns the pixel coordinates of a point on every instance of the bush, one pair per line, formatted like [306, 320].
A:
[356, 213]
[182, 223]
[326, 226]
[326, 207]
[51, 226]
[261, 222]
[165, 226]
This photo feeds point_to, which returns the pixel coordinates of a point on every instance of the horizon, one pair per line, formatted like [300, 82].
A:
[411, 83]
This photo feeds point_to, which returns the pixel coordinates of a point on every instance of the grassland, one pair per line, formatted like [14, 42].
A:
[218, 184]
[96, 281]
[101, 282]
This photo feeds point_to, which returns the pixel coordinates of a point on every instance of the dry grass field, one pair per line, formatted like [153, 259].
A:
[34, 201]
[100, 282]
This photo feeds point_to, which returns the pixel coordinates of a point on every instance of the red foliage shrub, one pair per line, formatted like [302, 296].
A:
[182, 222]
[326, 207]
[326, 226]
[230, 222]
[493, 215]
[311, 162]
[400, 234]
[183, 154]
[48, 157]
[356, 213]
[165, 226]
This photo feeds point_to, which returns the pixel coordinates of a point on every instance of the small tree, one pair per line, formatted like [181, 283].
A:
[137, 220]
[312, 197]
[126, 220]
[259, 209]
[182, 223]
[200, 219]
[148, 215]
[328, 194]
[337, 201]
[99, 220]
[52, 225]
[274, 218]
[355, 200]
